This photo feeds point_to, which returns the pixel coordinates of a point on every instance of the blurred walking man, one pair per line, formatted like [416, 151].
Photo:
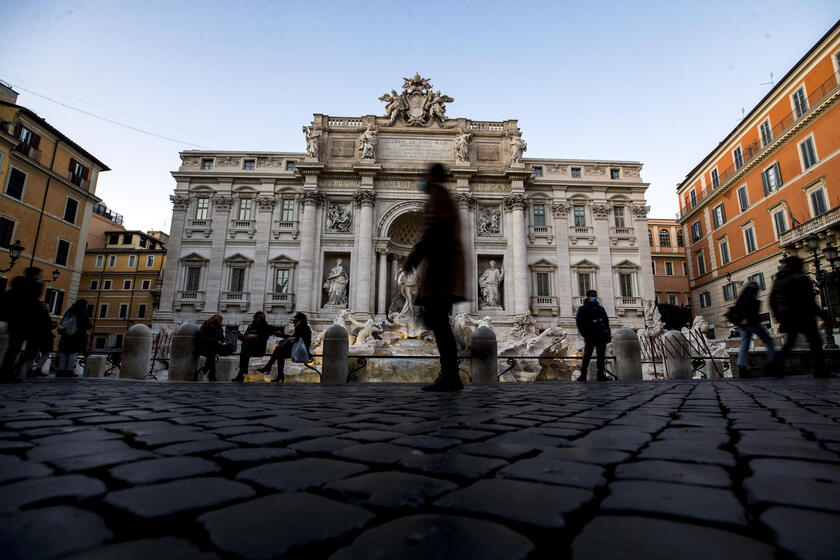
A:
[594, 326]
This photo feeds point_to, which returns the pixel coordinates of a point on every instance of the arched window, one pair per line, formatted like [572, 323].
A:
[650, 238]
[664, 238]
[679, 238]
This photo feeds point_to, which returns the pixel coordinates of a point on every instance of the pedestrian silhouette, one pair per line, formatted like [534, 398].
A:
[286, 348]
[73, 330]
[793, 305]
[253, 342]
[744, 314]
[212, 343]
[28, 322]
[442, 282]
[594, 326]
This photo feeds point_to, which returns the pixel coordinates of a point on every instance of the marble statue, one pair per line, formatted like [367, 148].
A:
[490, 283]
[366, 330]
[517, 148]
[339, 218]
[463, 326]
[462, 146]
[313, 142]
[435, 107]
[407, 284]
[336, 285]
[418, 104]
[653, 319]
[367, 143]
[394, 105]
[489, 218]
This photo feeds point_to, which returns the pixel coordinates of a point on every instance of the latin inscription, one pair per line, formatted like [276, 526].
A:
[414, 148]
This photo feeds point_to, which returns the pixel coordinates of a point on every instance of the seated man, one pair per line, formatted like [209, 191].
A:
[253, 342]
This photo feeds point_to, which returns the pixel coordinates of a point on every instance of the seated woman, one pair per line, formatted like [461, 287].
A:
[212, 343]
[284, 349]
[253, 342]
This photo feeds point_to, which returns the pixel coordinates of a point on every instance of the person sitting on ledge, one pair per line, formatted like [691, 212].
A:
[284, 349]
[253, 342]
[212, 343]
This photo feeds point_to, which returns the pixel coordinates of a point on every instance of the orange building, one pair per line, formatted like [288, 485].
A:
[102, 220]
[667, 253]
[773, 178]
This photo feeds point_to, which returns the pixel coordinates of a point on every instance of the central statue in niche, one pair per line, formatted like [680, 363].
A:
[490, 283]
[336, 284]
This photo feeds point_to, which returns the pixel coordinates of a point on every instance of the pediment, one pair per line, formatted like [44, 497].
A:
[625, 264]
[194, 257]
[238, 258]
[282, 259]
[543, 263]
[585, 264]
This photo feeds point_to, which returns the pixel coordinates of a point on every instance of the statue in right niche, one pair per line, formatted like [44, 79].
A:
[490, 283]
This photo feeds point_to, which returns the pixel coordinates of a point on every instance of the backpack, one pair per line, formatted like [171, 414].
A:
[67, 326]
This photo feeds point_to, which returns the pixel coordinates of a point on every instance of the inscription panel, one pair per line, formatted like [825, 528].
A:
[427, 149]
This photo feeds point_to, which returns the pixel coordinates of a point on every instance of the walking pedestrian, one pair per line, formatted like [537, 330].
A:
[212, 343]
[73, 331]
[744, 314]
[28, 322]
[253, 342]
[594, 326]
[283, 350]
[442, 282]
[794, 307]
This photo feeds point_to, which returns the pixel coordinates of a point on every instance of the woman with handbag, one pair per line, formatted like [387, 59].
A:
[212, 343]
[295, 346]
[73, 330]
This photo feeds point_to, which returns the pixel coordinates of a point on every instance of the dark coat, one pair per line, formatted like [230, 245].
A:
[24, 312]
[593, 323]
[256, 346]
[76, 342]
[792, 297]
[209, 338]
[440, 247]
[304, 332]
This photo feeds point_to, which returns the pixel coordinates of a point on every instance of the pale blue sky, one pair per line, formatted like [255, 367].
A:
[658, 82]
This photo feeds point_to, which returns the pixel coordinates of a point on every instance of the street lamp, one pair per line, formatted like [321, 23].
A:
[15, 249]
[814, 244]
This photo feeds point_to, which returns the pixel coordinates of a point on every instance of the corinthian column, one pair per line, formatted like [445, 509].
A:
[364, 265]
[381, 300]
[306, 264]
[180, 203]
[516, 204]
[465, 203]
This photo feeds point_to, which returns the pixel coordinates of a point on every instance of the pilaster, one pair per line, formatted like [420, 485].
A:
[259, 275]
[222, 204]
[515, 204]
[606, 282]
[180, 204]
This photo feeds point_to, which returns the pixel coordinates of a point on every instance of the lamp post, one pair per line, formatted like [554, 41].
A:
[814, 244]
[15, 249]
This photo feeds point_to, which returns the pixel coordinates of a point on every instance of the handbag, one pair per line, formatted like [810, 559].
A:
[300, 354]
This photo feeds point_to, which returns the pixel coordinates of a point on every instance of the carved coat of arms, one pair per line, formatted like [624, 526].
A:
[418, 104]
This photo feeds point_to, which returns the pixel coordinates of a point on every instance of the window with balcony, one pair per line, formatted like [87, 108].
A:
[70, 208]
[766, 134]
[730, 291]
[202, 207]
[749, 239]
[664, 238]
[543, 284]
[537, 172]
[800, 102]
[192, 278]
[701, 264]
[579, 211]
[248, 164]
[780, 221]
[245, 205]
[680, 242]
[743, 198]
[625, 281]
[586, 282]
[237, 279]
[281, 280]
[718, 215]
[693, 196]
[705, 299]
[809, 152]
[207, 163]
[14, 187]
[539, 214]
[575, 172]
[669, 268]
[738, 158]
[818, 201]
[771, 179]
[62, 252]
[287, 213]
[723, 247]
[715, 178]
[614, 174]
[618, 214]
[758, 279]
[696, 231]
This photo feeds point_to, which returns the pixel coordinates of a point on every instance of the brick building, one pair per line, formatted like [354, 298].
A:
[667, 255]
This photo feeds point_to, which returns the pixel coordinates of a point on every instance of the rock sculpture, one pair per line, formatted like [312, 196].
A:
[367, 143]
[366, 330]
[490, 284]
[336, 285]
[407, 284]
[339, 218]
[462, 146]
[517, 148]
[653, 319]
[313, 142]
[463, 326]
[489, 218]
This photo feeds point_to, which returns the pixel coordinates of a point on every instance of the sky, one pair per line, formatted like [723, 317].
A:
[657, 82]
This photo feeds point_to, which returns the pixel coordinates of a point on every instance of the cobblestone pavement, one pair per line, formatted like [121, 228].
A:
[99, 469]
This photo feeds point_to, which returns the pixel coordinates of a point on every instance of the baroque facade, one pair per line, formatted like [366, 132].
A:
[327, 229]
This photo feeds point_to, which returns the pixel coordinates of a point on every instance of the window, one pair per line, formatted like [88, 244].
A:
[543, 288]
[150, 261]
[237, 279]
[99, 260]
[123, 310]
[537, 172]
[62, 251]
[14, 187]
[245, 208]
[207, 163]
[539, 214]
[288, 210]
[743, 199]
[90, 310]
[693, 198]
[650, 238]
[696, 231]
[749, 239]
[664, 238]
[281, 280]
[94, 284]
[705, 299]
[685, 269]
[758, 279]
[672, 300]
[575, 172]
[653, 267]
[141, 311]
[718, 215]
[800, 102]
[127, 239]
[54, 300]
[580, 215]
[780, 221]
[715, 178]
[70, 208]
[669, 268]
[809, 153]
[192, 277]
[126, 284]
[730, 291]
[132, 260]
[701, 264]
[103, 310]
[7, 229]
[99, 342]
[626, 282]
[618, 212]
[724, 251]
[202, 207]
[142, 241]
[146, 284]
[106, 285]
[738, 158]
[290, 166]
[680, 241]
[118, 341]
[113, 239]
[112, 261]
[585, 283]
[614, 173]
[771, 179]
[818, 203]
[764, 130]
[78, 172]
[248, 164]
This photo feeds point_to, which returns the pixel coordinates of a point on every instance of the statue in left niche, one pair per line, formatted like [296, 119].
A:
[336, 284]
[462, 146]
[367, 143]
[313, 142]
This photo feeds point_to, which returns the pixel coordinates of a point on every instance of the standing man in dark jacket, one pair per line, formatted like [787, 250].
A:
[793, 305]
[442, 283]
[594, 326]
[745, 314]
[28, 320]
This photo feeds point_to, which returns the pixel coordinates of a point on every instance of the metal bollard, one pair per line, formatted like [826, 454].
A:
[183, 354]
[336, 350]
[628, 355]
[677, 355]
[137, 353]
[485, 356]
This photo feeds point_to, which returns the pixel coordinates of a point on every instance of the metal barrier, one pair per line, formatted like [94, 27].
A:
[656, 348]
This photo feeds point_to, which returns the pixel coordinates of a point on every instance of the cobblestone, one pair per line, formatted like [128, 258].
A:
[695, 469]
